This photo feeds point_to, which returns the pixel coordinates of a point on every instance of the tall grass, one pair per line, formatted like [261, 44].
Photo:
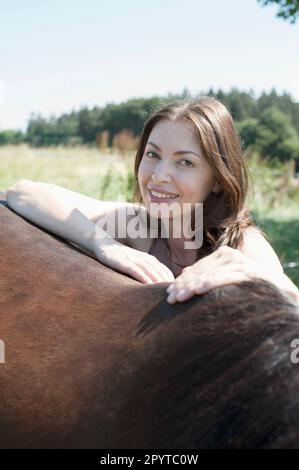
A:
[102, 175]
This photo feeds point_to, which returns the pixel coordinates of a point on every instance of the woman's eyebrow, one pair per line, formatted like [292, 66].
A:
[179, 152]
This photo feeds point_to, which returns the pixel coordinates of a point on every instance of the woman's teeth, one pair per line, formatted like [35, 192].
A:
[162, 196]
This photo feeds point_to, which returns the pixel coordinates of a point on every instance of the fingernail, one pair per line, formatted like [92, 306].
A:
[170, 288]
[181, 293]
[171, 299]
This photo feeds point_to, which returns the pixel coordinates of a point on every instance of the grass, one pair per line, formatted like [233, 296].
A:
[284, 238]
[274, 195]
[100, 175]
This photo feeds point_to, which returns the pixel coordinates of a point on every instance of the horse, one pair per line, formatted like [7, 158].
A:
[95, 359]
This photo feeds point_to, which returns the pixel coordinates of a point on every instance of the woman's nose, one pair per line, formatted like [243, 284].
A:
[162, 173]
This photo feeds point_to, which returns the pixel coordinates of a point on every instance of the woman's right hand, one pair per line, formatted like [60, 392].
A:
[141, 266]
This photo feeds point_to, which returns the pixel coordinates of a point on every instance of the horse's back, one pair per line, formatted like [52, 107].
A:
[81, 340]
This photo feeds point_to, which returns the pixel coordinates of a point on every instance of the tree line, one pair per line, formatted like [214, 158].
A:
[268, 124]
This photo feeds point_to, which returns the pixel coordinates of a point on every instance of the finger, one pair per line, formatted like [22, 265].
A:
[219, 280]
[171, 299]
[170, 288]
[180, 282]
[184, 294]
[181, 295]
[187, 287]
[151, 271]
[163, 269]
[199, 274]
[162, 273]
[140, 275]
[168, 275]
[209, 280]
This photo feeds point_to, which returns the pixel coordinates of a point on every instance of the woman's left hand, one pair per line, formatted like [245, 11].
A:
[224, 266]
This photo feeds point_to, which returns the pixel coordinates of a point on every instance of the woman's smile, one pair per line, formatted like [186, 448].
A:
[156, 196]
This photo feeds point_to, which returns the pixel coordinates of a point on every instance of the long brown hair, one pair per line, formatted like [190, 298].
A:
[225, 215]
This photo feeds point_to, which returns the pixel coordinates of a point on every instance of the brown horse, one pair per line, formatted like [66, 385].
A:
[95, 359]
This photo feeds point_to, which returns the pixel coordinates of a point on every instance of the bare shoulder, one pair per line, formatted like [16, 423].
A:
[253, 238]
[257, 247]
[253, 231]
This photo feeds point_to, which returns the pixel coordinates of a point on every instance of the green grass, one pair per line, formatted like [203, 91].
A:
[86, 170]
[274, 195]
[284, 237]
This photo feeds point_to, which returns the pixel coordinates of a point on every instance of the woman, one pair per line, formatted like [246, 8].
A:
[189, 152]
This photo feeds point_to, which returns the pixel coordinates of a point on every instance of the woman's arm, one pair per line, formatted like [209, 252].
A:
[57, 210]
[92, 208]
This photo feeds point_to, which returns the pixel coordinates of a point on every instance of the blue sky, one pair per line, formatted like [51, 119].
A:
[59, 55]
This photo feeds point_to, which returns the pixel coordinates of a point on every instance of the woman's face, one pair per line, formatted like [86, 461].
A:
[166, 168]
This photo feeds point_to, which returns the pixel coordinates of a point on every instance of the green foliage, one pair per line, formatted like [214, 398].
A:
[55, 131]
[8, 137]
[282, 102]
[288, 9]
[89, 123]
[248, 130]
[276, 136]
[272, 135]
[241, 105]
[268, 124]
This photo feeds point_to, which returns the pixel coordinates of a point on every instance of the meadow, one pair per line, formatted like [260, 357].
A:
[108, 175]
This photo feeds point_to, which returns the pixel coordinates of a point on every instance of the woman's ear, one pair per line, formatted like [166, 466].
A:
[217, 188]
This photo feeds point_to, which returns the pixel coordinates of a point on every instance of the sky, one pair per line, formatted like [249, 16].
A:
[60, 55]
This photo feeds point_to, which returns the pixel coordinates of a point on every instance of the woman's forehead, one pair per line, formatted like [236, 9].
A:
[176, 133]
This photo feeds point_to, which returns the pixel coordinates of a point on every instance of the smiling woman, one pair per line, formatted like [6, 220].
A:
[214, 172]
[185, 180]
[189, 153]
[215, 175]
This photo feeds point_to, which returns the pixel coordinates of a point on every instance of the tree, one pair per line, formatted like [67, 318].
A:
[248, 130]
[288, 9]
[11, 137]
[269, 124]
[90, 124]
[283, 102]
[240, 104]
[276, 137]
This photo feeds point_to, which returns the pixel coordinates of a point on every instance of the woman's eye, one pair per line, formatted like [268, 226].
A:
[150, 152]
[189, 161]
